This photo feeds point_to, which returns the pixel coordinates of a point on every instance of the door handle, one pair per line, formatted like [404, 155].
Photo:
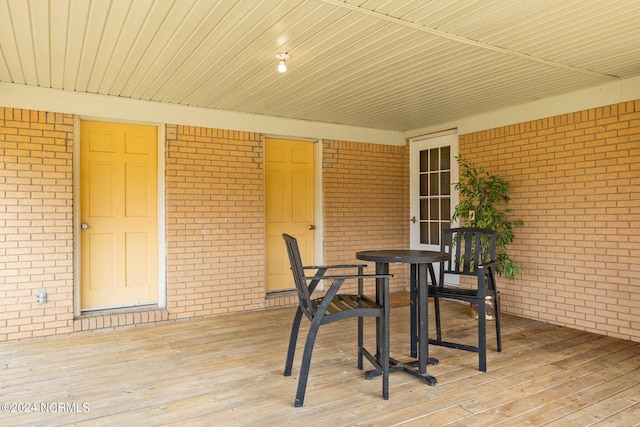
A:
[312, 227]
[413, 220]
[84, 225]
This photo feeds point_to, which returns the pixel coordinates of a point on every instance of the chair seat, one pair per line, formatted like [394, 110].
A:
[348, 302]
[452, 292]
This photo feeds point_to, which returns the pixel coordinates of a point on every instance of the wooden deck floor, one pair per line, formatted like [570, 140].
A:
[228, 371]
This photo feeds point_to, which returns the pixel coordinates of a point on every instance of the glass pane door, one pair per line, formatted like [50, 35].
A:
[433, 172]
[435, 193]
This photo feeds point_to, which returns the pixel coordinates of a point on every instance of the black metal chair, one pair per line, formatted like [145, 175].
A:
[472, 252]
[333, 307]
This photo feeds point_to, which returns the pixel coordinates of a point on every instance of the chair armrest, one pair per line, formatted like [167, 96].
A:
[337, 282]
[317, 267]
[354, 276]
[321, 270]
[488, 264]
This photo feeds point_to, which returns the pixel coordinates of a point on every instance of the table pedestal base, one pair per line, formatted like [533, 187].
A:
[408, 367]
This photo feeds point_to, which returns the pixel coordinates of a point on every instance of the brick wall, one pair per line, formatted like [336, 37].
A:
[576, 184]
[215, 221]
[366, 204]
[36, 226]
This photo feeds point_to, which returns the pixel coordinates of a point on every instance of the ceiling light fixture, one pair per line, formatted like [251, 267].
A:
[282, 57]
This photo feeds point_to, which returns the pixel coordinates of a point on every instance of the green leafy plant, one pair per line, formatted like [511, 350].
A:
[484, 198]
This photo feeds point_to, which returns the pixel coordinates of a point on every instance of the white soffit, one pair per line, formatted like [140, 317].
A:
[379, 64]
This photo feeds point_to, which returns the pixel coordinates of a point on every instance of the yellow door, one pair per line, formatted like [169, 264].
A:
[118, 203]
[289, 206]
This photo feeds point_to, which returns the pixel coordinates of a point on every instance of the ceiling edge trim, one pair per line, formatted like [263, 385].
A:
[598, 96]
[133, 110]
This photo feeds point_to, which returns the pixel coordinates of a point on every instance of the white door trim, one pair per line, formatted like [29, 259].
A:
[440, 139]
[319, 217]
[416, 145]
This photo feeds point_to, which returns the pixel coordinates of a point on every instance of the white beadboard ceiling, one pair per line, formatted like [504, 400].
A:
[383, 64]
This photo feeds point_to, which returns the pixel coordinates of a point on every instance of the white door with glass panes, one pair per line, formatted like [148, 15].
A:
[433, 172]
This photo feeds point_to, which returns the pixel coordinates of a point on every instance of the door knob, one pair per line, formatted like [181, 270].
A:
[84, 226]
[413, 220]
[312, 227]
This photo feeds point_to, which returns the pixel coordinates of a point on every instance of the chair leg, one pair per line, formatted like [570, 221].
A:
[482, 336]
[295, 327]
[436, 305]
[413, 307]
[360, 342]
[306, 361]
[385, 350]
[496, 303]
[360, 320]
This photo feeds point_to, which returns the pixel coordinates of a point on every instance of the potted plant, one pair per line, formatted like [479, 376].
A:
[484, 199]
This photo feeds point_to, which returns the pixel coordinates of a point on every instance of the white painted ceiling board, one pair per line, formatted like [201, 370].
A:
[382, 64]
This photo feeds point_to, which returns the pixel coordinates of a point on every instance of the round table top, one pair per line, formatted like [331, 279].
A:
[408, 256]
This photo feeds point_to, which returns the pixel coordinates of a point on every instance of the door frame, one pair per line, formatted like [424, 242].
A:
[77, 218]
[429, 141]
[317, 194]
[426, 142]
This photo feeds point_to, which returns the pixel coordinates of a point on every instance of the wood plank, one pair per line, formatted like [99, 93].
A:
[627, 417]
[616, 404]
[573, 403]
[228, 370]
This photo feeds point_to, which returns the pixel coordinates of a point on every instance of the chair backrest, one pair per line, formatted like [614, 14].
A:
[467, 248]
[304, 294]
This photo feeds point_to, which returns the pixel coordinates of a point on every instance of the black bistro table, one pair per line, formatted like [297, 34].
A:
[421, 265]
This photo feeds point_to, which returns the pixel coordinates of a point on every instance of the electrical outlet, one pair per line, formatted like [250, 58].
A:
[42, 297]
[472, 215]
